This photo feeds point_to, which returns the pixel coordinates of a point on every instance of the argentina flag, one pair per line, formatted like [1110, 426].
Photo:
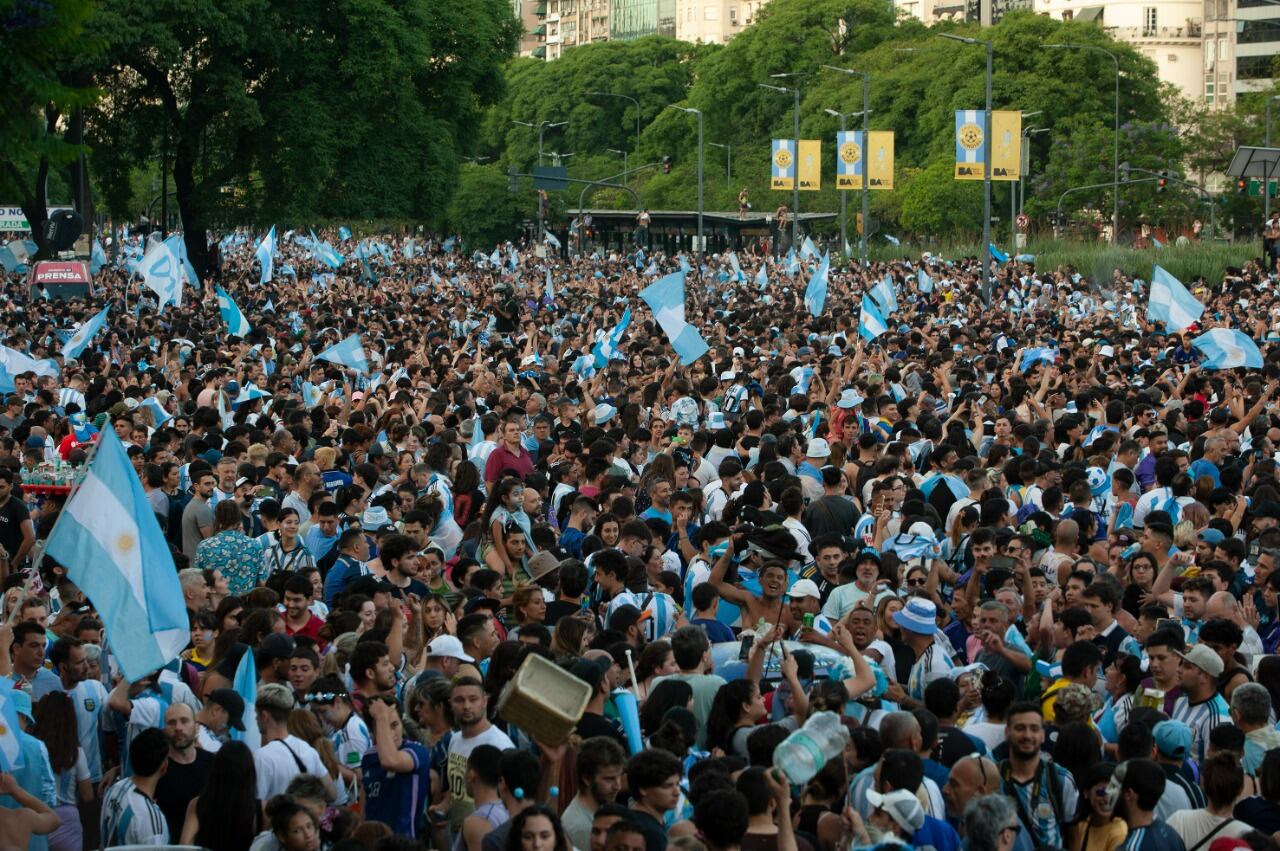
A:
[1171, 303]
[349, 353]
[1227, 348]
[237, 325]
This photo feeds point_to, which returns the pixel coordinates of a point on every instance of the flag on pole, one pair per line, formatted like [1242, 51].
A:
[237, 324]
[871, 323]
[85, 334]
[665, 298]
[108, 538]
[1227, 348]
[815, 294]
[245, 684]
[179, 248]
[344, 233]
[160, 273]
[607, 346]
[1171, 303]
[266, 253]
[884, 295]
[348, 353]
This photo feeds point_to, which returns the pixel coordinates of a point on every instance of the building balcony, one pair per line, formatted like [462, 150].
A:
[539, 52]
[1157, 35]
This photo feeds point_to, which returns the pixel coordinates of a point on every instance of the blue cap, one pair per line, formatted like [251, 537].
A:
[1173, 739]
[1212, 537]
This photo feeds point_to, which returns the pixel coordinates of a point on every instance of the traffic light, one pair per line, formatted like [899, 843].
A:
[666, 165]
[1242, 186]
[513, 182]
[1162, 182]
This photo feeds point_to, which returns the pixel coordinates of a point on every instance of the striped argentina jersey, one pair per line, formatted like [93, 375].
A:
[1202, 718]
[129, 817]
[935, 662]
[661, 608]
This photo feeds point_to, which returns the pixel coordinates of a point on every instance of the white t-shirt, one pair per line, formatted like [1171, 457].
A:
[1195, 825]
[460, 748]
[207, 741]
[277, 766]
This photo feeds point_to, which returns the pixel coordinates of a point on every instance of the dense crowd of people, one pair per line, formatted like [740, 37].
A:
[1021, 553]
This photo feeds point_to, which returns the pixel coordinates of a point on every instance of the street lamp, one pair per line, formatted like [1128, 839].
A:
[728, 162]
[1266, 184]
[1115, 148]
[986, 169]
[844, 237]
[1013, 189]
[541, 127]
[866, 178]
[637, 105]
[623, 153]
[556, 156]
[795, 183]
[1027, 133]
[691, 111]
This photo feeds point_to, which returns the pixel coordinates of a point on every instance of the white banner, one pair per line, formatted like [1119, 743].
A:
[12, 218]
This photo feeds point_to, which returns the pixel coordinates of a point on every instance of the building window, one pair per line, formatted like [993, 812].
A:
[710, 13]
[1253, 67]
[1149, 20]
[1256, 32]
[733, 14]
[1208, 55]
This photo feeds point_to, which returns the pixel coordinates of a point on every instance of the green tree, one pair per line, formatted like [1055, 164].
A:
[38, 42]
[482, 209]
[285, 110]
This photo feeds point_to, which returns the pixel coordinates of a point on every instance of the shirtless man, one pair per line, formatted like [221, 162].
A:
[33, 816]
[769, 605]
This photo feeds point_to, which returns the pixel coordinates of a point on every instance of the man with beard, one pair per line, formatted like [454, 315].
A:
[1043, 793]
[1141, 785]
[188, 767]
[600, 762]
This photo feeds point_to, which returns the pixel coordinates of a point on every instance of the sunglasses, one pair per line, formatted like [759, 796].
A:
[917, 583]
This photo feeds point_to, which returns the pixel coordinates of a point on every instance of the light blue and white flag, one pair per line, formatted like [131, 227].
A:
[348, 353]
[108, 538]
[344, 233]
[237, 324]
[162, 273]
[998, 255]
[266, 253]
[329, 256]
[762, 275]
[1227, 348]
[926, 282]
[10, 745]
[808, 251]
[85, 334]
[288, 271]
[871, 323]
[815, 294]
[408, 249]
[495, 259]
[97, 258]
[549, 291]
[552, 240]
[684, 265]
[604, 350]
[665, 298]
[737, 268]
[245, 684]
[793, 262]
[159, 415]
[1171, 303]
[178, 246]
[1037, 354]
[892, 240]
[884, 295]
[16, 363]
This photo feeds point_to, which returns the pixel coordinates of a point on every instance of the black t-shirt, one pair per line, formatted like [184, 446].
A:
[12, 513]
[414, 587]
[502, 324]
[1259, 813]
[558, 609]
[179, 785]
[592, 724]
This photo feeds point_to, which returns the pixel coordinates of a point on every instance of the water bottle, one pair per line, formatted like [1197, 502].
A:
[803, 754]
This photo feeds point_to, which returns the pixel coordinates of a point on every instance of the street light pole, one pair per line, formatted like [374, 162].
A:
[623, 97]
[866, 177]
[795, 183]
[1027, 133]
[1013, 189]
[697, 112]
[624, 160]
[1115, 144]
[728, 162]
[541, 127]
[986, 169]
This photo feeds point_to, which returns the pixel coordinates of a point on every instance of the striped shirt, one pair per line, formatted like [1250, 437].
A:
[934, 663]
[661, 609]
[129, 817]
[1202, 718]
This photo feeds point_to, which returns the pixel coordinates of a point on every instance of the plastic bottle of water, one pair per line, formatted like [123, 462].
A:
[803, 754]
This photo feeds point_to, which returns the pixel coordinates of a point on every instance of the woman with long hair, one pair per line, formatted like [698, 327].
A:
[435, 617]
[571, 637]
[607, 528]
[55, 725]
[656, 660]
[504, 508]
[529, 607]
[226, 815]
[1124, 676]
[306, 726]
[468, 499]
[1140, 570]
[736, 708]
[294, 826]
[537, 829]
[668, 694]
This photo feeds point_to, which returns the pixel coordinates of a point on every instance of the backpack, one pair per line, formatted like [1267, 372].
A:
[1028, 820]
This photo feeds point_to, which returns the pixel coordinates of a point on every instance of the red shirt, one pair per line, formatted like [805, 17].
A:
[501, 459]
[311, 629]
